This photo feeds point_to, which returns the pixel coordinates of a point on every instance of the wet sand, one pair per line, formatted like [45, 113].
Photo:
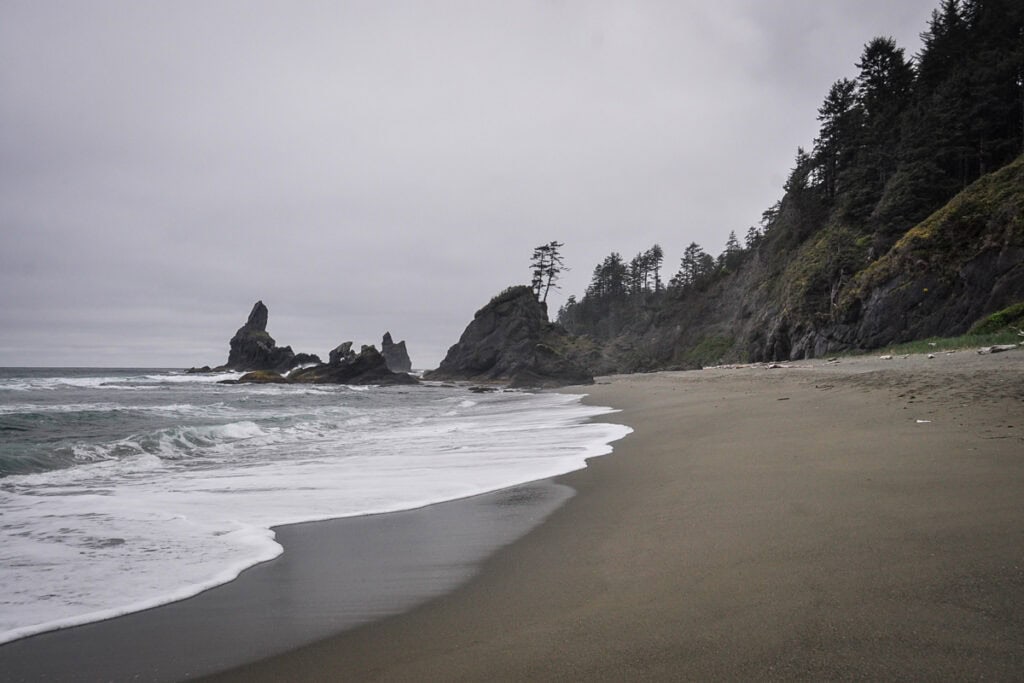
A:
[332, 575]
[857, 520]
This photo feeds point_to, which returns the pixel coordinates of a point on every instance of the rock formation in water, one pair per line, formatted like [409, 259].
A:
[258, 377]
[252, 348]
[254, 352]
[396, 355]
[346, 367]
[341, 353]
[511, 340]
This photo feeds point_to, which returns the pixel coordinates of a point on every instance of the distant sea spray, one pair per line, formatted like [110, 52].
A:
[124, 489]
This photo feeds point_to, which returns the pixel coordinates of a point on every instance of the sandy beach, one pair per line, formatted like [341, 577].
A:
[859, 519]
[863, 519]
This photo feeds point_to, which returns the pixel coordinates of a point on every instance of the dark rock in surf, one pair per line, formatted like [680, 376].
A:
[262, 377]
[305, 359]
[252, 348]
[341, 353]
[368, 367]
[395, 355]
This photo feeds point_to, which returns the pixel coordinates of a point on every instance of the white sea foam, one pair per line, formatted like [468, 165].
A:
[155, 517]
[193, 378]
[37, 408]
[125, 382]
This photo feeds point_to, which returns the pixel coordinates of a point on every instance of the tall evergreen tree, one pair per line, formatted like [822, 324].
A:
[546, 265]
[943, 46]
[752, 238]
[836, 145]
[692, 267]
[636, 274]
[733, 252]
[610, 278]
[883, 93]
[996, 73]
[655, 258]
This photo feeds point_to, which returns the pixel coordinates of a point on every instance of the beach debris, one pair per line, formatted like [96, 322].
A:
[998, 348]
[885, 357]
[775, 366]
[782, 398]
[923, 422]
[931, 355]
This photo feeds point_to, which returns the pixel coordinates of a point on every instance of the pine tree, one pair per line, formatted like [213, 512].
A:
[752, 238]
[883, 93]
[609, 278]
[546, 265]
[692, 267]
[943, 47]
[554, 268]
[836, 145]
[996, 75]
[655, 257]
[733, 252]
[637, 274]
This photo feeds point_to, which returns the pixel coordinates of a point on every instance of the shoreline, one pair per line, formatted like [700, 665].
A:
[521, 473]
[333, 575]
[817, 521]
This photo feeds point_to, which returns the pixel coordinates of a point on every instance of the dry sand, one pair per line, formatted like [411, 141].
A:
[858, 520]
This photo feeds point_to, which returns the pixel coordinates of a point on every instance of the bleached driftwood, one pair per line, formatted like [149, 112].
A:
[998, 348]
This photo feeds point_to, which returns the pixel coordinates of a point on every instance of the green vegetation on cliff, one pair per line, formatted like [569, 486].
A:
[1010, 319]
[905, 220]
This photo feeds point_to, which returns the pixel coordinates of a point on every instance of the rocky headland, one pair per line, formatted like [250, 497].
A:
[511, 340]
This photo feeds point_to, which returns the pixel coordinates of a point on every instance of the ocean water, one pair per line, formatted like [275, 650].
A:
[123, 489]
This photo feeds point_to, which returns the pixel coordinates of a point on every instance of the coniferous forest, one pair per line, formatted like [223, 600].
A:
[903, 219]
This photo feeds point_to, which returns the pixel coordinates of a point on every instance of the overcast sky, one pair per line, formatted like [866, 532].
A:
[372, 166]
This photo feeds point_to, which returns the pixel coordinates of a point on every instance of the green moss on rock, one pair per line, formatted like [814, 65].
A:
[712, 350]
[1009, 317]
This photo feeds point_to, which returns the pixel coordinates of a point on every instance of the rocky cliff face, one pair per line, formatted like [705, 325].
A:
[960, 264]
[252, 348]
[511, 340]
[396, 355]
[812, 291]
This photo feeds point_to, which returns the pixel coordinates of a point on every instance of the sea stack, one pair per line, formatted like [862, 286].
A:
[396, 355]
[511, 340]
[347, 367]
[252, 348]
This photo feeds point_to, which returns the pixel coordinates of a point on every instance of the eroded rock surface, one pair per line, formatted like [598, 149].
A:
[511, 340]
[395, 354]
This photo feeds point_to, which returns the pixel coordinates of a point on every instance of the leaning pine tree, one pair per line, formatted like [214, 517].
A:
[546, 265]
